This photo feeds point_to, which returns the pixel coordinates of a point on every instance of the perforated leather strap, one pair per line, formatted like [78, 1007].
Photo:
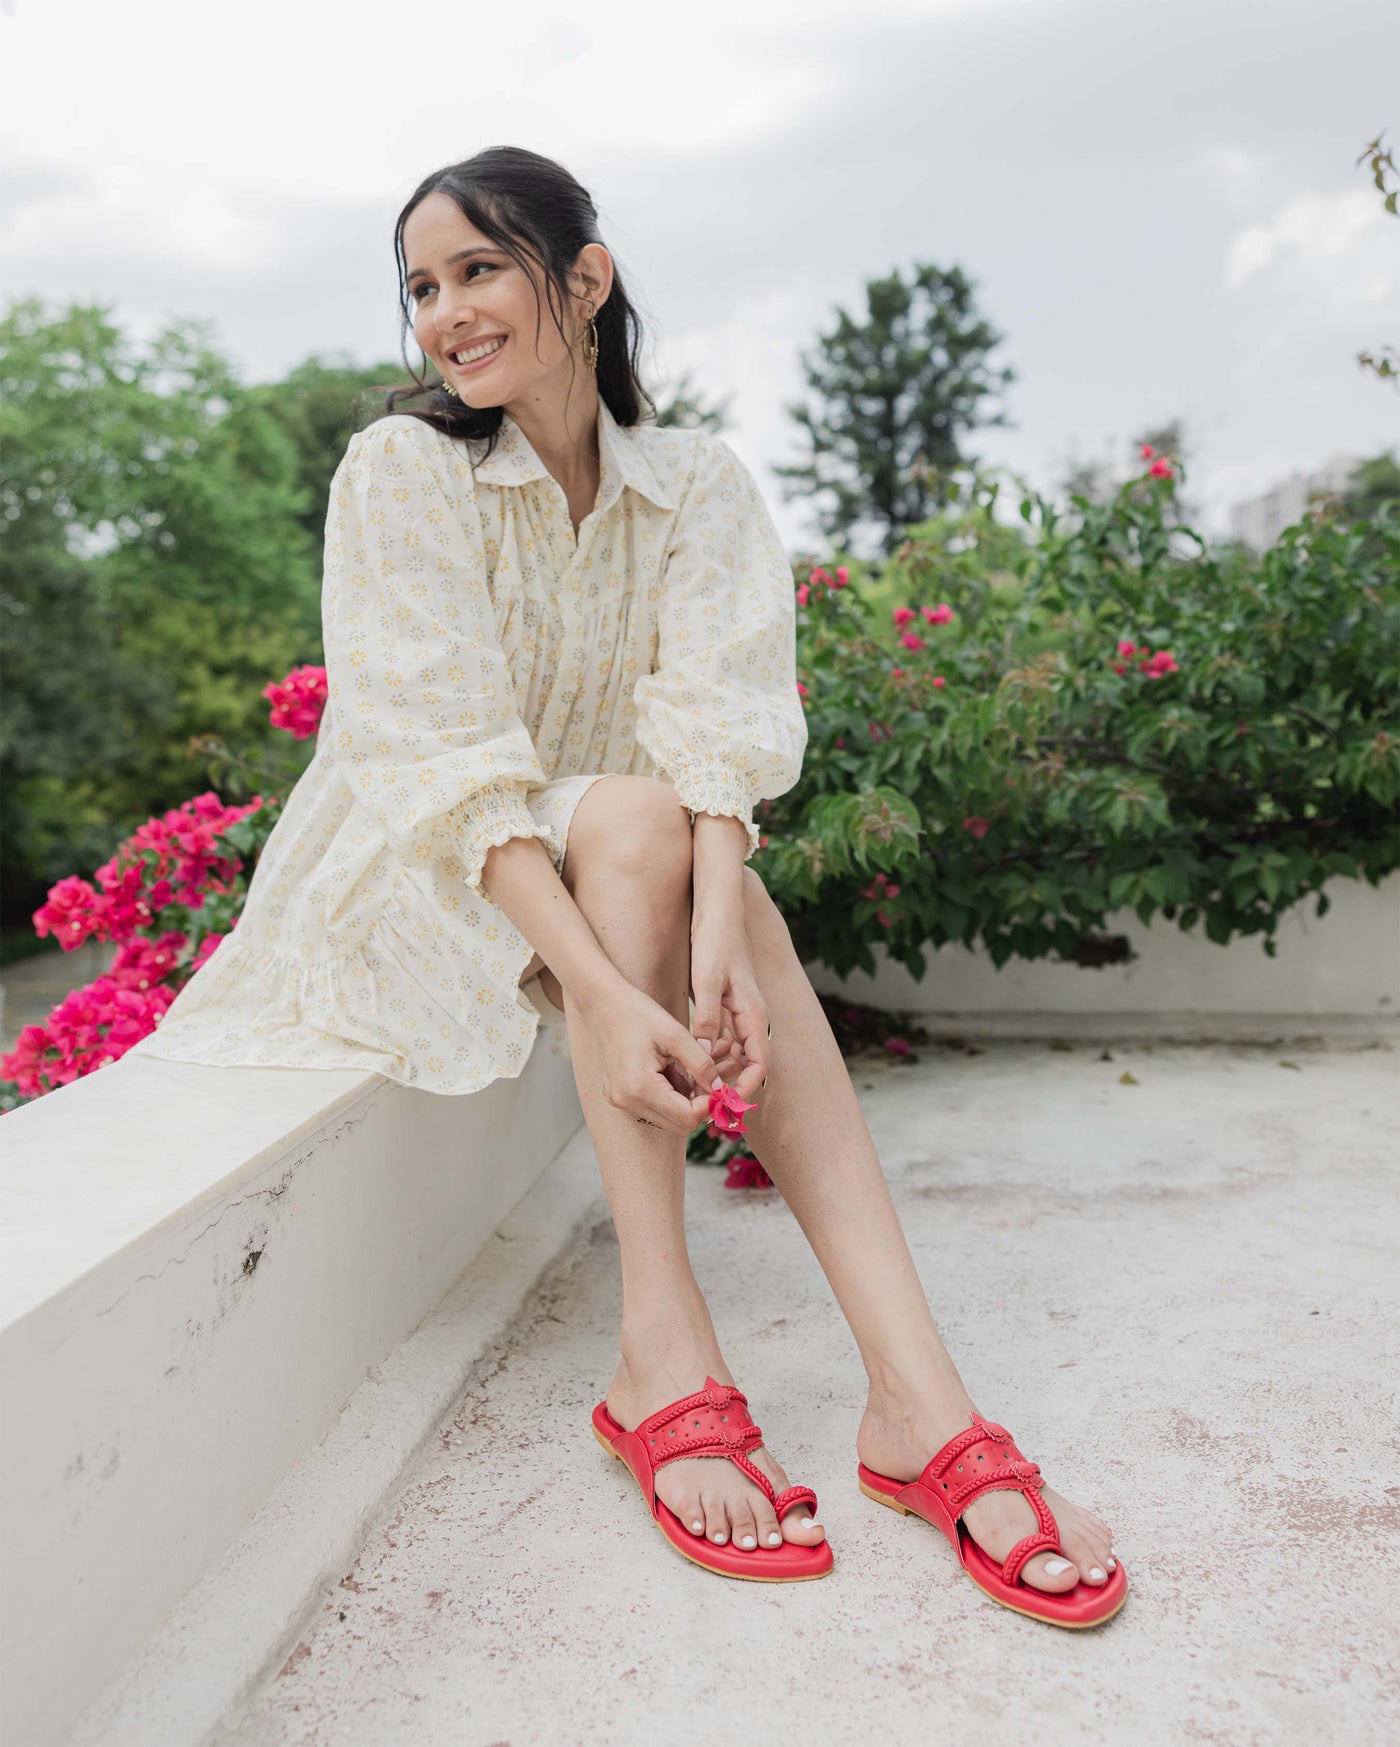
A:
[982, 1459]
[715, 1421]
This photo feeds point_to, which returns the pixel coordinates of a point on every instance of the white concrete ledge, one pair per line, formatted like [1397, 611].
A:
[1337, 975]
[198, 1266]
[237, 1624]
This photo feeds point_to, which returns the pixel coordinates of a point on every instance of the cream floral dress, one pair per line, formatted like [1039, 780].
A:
[485, 667]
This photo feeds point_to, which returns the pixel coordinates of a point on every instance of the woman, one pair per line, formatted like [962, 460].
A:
[529, 590]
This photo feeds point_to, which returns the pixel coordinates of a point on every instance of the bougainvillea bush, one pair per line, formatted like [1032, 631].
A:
[1020, 726]
[166, 898]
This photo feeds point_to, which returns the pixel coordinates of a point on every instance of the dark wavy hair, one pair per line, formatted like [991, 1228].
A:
[535, 211]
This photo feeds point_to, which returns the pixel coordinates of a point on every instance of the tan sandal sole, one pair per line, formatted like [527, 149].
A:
[740, 1576]
[1045, 1619]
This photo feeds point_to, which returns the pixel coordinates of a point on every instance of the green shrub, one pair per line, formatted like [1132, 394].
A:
[1023, 775]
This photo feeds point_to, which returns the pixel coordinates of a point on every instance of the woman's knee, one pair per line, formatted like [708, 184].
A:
[637, 831]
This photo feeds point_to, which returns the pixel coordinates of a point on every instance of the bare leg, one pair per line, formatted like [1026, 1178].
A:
[628, 868]
[809, 1132]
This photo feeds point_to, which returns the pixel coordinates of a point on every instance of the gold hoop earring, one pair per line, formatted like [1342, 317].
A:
[447, 388]
[590, 345]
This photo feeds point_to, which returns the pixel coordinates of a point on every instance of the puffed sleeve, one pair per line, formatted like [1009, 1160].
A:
[721, 716]
[424, 722]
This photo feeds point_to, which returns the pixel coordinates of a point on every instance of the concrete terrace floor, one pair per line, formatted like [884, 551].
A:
[1180, 1296]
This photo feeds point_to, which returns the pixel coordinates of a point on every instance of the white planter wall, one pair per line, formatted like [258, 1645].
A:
[1344, 967]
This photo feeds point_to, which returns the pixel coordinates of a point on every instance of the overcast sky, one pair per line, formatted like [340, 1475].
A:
[1158, 202]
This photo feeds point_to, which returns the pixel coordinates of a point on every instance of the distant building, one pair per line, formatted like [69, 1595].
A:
[1259, 521]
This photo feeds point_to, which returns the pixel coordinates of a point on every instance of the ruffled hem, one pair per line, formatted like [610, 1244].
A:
[393, 1007]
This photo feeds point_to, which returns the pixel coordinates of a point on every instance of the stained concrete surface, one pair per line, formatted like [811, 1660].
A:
[1178, 1294]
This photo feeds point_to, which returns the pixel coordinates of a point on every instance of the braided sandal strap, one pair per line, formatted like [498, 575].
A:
[984, 1458]
[715, 1421]
[791, 1495]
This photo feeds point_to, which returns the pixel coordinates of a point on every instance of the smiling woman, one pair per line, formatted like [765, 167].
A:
[529, 588]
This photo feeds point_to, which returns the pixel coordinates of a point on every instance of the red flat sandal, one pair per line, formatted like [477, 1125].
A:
[984, 1458]
[716, 1422]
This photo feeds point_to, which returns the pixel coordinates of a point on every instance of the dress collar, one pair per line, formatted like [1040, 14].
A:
[622, 461]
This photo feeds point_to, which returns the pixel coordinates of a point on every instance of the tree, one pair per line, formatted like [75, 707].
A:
[156, 576]
[895, 395]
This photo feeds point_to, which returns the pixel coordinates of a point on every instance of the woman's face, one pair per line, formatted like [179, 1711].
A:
[475, 311]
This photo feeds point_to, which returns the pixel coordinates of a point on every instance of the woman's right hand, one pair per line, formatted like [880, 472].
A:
[643, 1053]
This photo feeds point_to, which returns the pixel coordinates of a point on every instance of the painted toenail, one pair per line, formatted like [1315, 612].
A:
[1053, 1567]
[1095, 1574]
[1113, 1564]
[809, 1522]
[698, 1528]
[775, 1540]
[718, 1537]
[748, 1541]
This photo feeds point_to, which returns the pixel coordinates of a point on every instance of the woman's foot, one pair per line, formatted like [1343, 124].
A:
[900, 1442]
[711, 1497]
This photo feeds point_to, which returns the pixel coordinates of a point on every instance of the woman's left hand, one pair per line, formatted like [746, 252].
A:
[727, 998]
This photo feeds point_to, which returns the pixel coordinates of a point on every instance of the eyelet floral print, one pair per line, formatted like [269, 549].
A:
[486, 665]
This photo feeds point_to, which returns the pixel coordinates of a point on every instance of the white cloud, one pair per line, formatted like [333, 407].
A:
[1317, 226]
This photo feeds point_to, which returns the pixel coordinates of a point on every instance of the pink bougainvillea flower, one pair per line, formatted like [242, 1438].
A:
[73, 911]
[883, 919]
[1126, 649]
[940, 615]
[745, 1172]
[1160, 468]
[897, 1045]
[168, 860]
[87, 1029]
[1161, 663]
[1119, 666]
[802, 593]
[880, 887]
[210, 945]
[976, 826]
[896, 673]
[299, 702]
[802, 688]
[939, 682]
[840, 740]
[727, 1110]
[142, 963]
[1147, 451]
[902, 615]
[820, 578]
[842, 577]
[912, 640]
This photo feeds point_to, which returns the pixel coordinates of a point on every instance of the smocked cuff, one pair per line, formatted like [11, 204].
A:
[488, 817]
[715, 785]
